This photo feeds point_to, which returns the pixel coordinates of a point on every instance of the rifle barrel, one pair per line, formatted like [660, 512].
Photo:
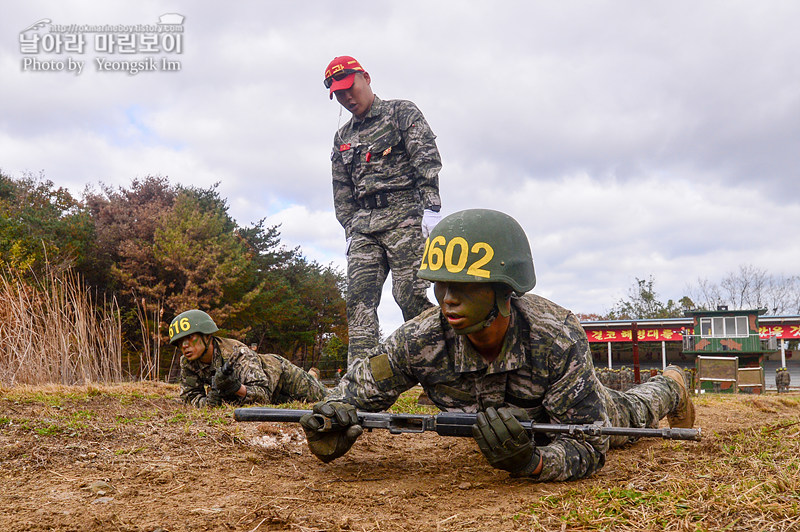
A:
[460, 424]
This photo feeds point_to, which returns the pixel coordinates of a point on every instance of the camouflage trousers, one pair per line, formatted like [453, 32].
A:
[369, 260]
[642, 406]
[292, 382]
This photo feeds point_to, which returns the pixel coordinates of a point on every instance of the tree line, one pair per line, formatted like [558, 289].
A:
[154, 249]
[747, 288]
[158, 249]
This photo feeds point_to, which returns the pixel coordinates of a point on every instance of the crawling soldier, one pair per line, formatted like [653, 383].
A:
[233, 371]
[491, 348]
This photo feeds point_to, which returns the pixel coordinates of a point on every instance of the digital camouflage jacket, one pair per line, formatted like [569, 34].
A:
[385, 168]
[269, 378]
[545, 368]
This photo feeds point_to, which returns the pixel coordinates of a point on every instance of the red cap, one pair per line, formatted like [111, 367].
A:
[343, 64]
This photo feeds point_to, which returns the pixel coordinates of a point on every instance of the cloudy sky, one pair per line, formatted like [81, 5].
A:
[629, 138]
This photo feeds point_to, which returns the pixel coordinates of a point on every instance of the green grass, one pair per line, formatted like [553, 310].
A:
[179, 418]
[140, 418]
[130, 397]
[52, 399]
[77, 420]
[127, 452]
[407, 404]
[49, 429]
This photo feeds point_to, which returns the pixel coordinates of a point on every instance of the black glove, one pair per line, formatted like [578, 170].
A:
[225, 382]
[503, 441]
[212, 398]
[331, 430]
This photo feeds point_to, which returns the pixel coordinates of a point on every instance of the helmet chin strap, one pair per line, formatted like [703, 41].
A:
[480, 325]
[502, 300]
[207, 343]
[501, 306]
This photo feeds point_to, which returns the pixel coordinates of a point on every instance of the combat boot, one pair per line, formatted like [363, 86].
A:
[683, 415]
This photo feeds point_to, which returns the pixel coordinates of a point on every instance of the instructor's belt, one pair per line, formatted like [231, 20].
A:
[381, 200]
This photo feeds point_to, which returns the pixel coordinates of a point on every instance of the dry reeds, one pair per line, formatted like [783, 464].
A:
[149, 324]
[53, 331]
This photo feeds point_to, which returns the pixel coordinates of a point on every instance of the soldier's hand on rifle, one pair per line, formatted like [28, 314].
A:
[331, 429]
[225, 382]
[212, 398]
[503, 441]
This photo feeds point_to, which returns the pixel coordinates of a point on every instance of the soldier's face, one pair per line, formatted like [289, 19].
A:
[358, 98]
[464, 304]
[193, 347]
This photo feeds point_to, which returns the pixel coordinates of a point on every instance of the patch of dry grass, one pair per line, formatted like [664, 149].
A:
[744, 475]
[56, 332]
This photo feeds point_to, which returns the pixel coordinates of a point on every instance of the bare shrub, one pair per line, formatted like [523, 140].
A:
[52, 331]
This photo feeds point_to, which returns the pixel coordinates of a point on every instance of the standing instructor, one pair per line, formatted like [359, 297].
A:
[385, 167]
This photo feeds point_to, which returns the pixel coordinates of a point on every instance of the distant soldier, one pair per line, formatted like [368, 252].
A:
[782, 379]
[602, 376]
[492, 349]
[627, 378]
[385, 167]
[616, 379]
[232, 371]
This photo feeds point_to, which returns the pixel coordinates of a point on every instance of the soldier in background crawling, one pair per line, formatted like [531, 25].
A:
[232, 371]
[492, 349]
[385, 167]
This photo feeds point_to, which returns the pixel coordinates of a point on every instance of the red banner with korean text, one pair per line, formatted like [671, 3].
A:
[654, 334]
[787, 332]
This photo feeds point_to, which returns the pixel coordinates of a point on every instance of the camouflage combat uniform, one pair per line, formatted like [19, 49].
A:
[545, 368]
[385, 173]
[268, 378]
[782, 379]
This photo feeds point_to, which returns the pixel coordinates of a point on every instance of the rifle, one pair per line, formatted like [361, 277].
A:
[453, 424]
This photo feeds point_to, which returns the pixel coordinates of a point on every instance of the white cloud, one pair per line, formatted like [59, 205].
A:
[630, 139]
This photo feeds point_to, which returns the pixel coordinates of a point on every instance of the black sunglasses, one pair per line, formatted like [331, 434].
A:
[339, 76]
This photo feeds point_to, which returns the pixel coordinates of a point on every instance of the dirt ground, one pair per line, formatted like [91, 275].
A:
[133, 458]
